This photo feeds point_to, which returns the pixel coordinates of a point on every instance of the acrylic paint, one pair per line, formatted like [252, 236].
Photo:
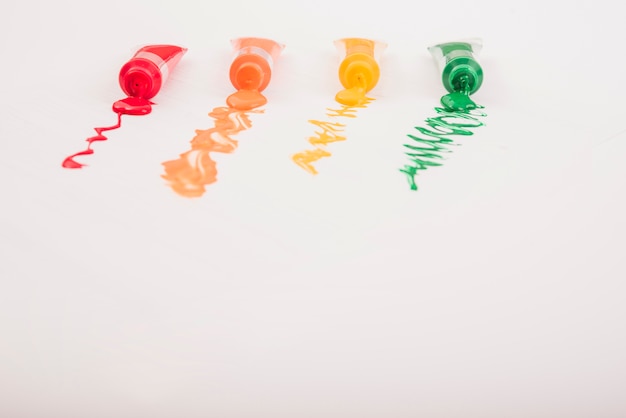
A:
[327, 132]
[359, 71]
[427, 148]
[461, 73]
[140, 78]
[195, 169]
[251, 71]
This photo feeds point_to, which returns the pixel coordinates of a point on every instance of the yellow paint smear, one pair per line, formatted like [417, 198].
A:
[327, 132]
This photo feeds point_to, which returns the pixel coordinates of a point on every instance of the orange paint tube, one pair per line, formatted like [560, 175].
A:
[251, 71]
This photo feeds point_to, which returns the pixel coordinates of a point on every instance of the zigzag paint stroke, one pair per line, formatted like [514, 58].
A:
[328, 132]
[427, 149]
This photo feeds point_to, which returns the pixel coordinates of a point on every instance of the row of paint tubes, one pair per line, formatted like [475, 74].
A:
[142, 77]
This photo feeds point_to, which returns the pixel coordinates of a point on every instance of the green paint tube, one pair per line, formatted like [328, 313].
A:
[461, 73]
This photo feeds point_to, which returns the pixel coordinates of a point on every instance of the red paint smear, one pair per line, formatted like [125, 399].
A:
[129, 106]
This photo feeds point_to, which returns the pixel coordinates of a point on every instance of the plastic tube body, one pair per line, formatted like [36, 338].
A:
[460, 71]
[146, 72]
[253, 63]
[359, 64]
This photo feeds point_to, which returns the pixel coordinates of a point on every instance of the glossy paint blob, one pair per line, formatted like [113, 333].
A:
[458, 101]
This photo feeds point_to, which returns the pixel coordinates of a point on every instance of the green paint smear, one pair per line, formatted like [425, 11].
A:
[428, 148]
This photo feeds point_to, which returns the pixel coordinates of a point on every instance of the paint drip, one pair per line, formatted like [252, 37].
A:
[129, 106]
[141, 79]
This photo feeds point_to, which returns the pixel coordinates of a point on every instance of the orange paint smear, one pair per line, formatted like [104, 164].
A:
[327, 133]
[195, 169]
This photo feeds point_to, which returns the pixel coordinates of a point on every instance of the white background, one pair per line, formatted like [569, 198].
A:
[496, 290]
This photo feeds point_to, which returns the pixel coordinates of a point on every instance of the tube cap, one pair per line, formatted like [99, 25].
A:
[459, 68]
[140, 78]
[249, 76]
[359, 70]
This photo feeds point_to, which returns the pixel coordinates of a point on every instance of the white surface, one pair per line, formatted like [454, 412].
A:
[497, 290]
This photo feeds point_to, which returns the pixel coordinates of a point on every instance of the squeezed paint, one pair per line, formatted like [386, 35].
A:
[246, 99]
[460, 100]
[431, 142]
[189, 175]
[141, 79]
[128, 106]
[327, 132]
[353, 96]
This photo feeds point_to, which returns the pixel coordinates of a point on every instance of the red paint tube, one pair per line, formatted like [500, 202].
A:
[148, 70]
[141, 79]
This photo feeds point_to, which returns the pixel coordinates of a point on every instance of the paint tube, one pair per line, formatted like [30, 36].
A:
[359, 62]
[253, 62]
[460, 71]
[146, 72]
